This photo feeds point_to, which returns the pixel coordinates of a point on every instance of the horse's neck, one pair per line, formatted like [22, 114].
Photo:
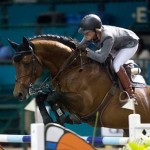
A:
[53, 55]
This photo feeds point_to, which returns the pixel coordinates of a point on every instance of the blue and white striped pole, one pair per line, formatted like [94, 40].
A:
[28, 138]
[15, 138]
[107, 140]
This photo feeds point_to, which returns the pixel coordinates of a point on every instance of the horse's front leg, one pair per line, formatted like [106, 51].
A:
[40, 98]
[52, 100]
[60, 114]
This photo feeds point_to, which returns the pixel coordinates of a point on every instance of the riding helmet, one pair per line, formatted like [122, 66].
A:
[90, 22]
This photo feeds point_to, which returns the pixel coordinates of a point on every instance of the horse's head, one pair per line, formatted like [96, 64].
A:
[28, 67]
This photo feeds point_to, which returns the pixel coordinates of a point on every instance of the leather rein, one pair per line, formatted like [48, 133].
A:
[105, 102]
[69, 61]
[72, 58]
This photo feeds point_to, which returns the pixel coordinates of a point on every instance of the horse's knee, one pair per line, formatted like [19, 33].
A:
[52, 98]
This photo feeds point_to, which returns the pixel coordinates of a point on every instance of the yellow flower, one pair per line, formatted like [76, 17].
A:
[142, 143]
[147, 143]
[148, 148]
[136, 146]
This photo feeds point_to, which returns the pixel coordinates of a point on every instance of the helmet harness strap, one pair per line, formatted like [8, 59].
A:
[95, 39]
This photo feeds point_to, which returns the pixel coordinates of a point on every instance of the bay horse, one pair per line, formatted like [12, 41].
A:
[85, 83]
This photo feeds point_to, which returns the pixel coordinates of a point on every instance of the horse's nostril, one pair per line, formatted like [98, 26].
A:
[20, 95]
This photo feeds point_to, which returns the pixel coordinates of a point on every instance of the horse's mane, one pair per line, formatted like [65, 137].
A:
[68, 41]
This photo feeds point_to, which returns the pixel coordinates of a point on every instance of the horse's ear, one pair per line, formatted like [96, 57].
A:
[13, 44]
[26, 42]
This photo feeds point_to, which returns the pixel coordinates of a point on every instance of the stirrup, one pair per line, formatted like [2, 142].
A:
[128, 97]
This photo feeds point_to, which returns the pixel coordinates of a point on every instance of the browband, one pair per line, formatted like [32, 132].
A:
[19, 55]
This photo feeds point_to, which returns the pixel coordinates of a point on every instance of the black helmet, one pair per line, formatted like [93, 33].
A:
[90, 22]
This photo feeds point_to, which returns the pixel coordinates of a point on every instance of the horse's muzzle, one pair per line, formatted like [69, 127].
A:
[20, 94]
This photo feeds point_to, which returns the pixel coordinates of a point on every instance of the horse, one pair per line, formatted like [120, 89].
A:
[85, 84]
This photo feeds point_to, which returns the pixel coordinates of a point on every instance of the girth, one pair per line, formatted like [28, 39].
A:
[101, 108]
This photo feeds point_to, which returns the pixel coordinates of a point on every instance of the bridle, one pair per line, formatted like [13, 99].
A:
[18, 56]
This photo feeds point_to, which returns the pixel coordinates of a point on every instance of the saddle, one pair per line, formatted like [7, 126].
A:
[132, 69]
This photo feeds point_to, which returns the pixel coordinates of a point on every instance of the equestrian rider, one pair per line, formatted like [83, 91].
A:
[123, 42]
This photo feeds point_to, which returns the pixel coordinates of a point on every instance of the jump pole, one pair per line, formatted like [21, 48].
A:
[6, 138]
[37, 137]
[29, 139]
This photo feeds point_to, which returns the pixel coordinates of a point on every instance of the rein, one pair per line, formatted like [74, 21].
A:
[65, 65]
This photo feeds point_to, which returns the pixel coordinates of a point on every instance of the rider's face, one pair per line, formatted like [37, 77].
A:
[89, 35]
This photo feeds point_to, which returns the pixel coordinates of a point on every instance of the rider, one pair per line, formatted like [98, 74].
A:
[123, 42]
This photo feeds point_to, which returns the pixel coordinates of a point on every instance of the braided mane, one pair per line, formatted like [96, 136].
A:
[68, 41]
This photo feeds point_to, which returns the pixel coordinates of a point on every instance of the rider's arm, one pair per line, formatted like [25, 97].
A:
[101, 54]
[83, 41]
[81, 45]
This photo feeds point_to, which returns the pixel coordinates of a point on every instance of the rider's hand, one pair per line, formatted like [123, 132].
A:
[81, 47]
